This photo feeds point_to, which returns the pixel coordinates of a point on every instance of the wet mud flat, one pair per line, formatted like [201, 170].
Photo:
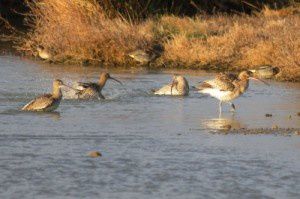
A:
[259, 131]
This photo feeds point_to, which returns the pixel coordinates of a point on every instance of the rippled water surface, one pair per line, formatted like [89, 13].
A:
[153, 147]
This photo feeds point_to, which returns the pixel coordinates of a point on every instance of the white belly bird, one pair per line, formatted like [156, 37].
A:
[227, 87]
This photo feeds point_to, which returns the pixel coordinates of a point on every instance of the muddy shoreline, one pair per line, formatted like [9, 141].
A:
[7, 49]
[87, 35]
[260, 131]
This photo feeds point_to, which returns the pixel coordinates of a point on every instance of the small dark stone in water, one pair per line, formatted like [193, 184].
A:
[298, 114]
[268, 115]
[290, 117]
[94, 154]
[179, 134]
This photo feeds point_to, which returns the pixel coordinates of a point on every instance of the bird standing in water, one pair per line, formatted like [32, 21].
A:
[93, 90]
[47, 102]
[227, 87]
[179, 87]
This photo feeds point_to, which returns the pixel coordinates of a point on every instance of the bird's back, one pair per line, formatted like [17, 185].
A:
[89, 90]
[266, 72]
[222, 82]
[42, 103]
[165, 90]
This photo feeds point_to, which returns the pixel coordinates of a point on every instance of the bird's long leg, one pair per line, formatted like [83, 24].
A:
[220, 108]
[100, 96]
[232, 107]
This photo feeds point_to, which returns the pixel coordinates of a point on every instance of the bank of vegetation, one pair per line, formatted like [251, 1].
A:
[89, 32]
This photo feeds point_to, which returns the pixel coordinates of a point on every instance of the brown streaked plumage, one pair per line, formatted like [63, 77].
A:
[93, 90]
[46, 102]
[43, 53]
[227, 87]
[148, 55]
[142, 56]
[179, 87]
[265, 72]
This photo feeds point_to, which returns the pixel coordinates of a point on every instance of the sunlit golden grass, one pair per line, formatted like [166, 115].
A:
[76, 31]
[240, 43]
[79, 31]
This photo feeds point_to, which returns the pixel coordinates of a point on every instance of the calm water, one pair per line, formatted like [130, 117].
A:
[153, 147]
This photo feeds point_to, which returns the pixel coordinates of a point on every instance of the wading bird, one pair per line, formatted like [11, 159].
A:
[227, 87]
[148, 55]
[265, 72]
[47, 102]
[93, 90]
[142, 56]
[43, 54]
[179, 86]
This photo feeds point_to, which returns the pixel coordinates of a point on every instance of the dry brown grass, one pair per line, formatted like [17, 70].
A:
[237, 43]
[79, 31]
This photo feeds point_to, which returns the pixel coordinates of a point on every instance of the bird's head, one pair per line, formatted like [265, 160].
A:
[246, 75]
[105, 76]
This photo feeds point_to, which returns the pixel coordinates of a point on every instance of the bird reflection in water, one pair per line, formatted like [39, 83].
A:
[222, 124]
[55, 115]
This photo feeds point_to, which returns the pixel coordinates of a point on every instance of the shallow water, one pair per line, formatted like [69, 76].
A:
[153, 147]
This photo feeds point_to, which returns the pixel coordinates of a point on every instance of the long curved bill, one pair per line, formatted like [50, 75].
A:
[116, 80]
[260, 80]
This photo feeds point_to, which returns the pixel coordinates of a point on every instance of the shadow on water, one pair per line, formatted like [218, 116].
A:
[53, 115]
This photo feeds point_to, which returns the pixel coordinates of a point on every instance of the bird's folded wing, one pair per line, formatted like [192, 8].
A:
[165, 90]
[227, 76]
[41, 102]
[83, 85]
[222, 82]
